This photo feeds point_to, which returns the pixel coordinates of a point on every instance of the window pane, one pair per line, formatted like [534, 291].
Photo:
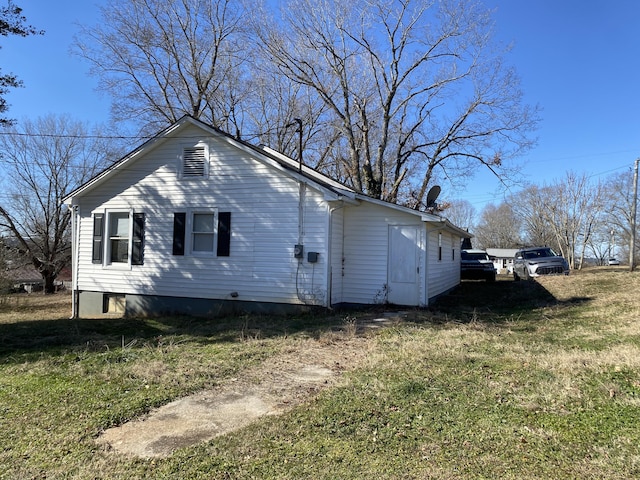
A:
[119, 237]
[203, 222]
[119, 225]
[202, 242]
[119, 250]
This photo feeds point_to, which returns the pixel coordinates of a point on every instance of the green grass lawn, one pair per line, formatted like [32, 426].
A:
[497, 380]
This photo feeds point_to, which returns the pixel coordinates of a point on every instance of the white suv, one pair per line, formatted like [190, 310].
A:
[533, 262]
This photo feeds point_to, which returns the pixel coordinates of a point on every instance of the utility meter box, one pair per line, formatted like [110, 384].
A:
[312, 257]
[298, 251]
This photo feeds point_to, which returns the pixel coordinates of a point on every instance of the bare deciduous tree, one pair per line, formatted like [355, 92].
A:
[564, 215]
[391, 94]
[162, 59]
[570, 207]
[461, 213]
[275, 105]
[42, 161]
[528, 207]
[498, 227]
[619, 207]
[413, 88]
[600, 246]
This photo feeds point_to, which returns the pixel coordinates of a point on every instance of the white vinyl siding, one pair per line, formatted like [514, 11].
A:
[366, 251]
[443, 274]
[263, 202]
[268, 218]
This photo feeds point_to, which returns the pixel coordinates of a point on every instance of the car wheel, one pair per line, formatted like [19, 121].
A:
[491, 278]
[516, 278]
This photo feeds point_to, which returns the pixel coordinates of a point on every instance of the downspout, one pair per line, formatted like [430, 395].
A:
[302, 189]
[75, 238]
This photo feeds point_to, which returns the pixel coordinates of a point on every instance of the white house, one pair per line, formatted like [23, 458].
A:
[195, 221]
[502, 259]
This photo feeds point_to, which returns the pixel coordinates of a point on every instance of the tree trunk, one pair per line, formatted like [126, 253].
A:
[49, 282]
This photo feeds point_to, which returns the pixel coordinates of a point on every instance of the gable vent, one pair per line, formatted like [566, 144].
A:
[193, 162]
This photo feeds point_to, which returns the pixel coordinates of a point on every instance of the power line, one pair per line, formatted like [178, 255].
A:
[256, 135]
[75, 136]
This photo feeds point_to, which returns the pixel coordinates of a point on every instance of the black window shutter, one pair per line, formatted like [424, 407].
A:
[137, 251]
[224, 233]
[98, 229]
[179, 226]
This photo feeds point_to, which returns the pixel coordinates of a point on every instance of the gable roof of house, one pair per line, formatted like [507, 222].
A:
[262, 153]
[332, 189]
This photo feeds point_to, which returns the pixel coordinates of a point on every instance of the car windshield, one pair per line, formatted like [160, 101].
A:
[540, 252]
[474, 256]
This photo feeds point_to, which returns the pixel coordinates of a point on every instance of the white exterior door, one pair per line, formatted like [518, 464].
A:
[403, 272]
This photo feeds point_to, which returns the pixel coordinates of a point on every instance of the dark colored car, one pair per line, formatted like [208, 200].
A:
[533, 262]
[476, 265]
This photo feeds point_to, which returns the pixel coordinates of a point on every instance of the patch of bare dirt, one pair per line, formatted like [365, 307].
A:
[274, 387]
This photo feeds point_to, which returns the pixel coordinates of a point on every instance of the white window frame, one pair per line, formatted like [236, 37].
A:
[106, 258]
[189, 234]
[199, 144]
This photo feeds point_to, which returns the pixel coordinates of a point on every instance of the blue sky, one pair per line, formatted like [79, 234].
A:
[578, 59]
[54, 80]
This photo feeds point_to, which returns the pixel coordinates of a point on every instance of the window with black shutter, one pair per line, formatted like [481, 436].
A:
[118, 238]
[198, 228]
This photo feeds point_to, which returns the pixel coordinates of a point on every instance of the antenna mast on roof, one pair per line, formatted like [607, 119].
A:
[299, 131]
[297, 121]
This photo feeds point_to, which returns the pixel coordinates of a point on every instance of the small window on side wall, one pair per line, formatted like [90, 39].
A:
[203, 232]
[198, 233]
[118, 237]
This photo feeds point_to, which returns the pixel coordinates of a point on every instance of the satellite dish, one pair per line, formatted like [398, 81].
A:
[432, 196]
